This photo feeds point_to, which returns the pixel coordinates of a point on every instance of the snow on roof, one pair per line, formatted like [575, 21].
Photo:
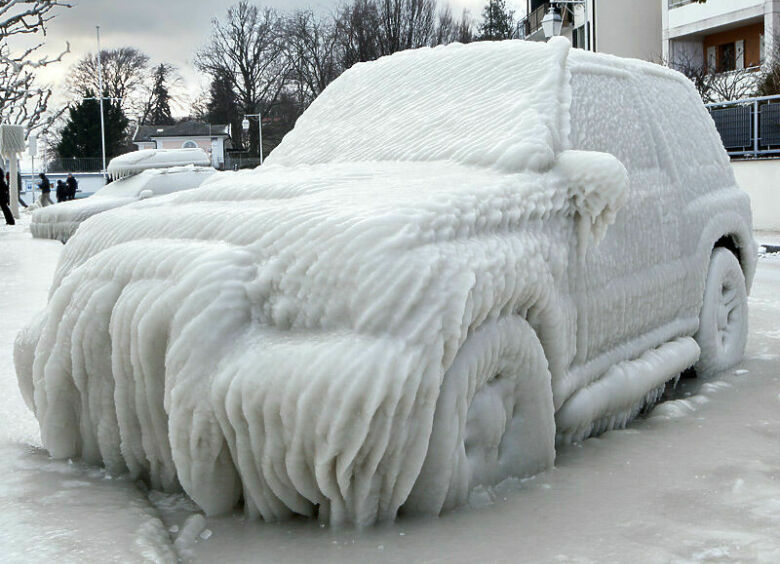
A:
[137, 161]
[492, 104]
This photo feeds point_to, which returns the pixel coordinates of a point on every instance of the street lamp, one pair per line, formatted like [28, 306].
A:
[245, 127]
[552, 23]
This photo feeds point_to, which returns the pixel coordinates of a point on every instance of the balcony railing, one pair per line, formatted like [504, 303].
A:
[749, 127]
[533, 21]
[678, 3]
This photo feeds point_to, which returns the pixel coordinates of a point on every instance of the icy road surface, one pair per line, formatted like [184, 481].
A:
[697, 481]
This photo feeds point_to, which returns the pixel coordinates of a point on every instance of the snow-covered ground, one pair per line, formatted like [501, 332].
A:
[696, 481]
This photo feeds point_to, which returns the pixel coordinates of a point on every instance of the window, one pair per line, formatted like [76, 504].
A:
[727, 57]
[189, 145]
[578, 38]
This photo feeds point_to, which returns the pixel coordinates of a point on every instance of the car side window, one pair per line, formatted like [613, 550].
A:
[612, 121]
[691, 145]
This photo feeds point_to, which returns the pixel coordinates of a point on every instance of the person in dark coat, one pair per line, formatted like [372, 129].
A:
[45, 186]
[61, 191]
[19, 179]
[73, 186]
[5, 200]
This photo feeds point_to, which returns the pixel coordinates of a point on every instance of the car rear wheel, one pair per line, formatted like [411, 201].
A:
[723, 322]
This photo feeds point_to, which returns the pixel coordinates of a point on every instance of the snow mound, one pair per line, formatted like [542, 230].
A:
[146, 159]
[61, 220]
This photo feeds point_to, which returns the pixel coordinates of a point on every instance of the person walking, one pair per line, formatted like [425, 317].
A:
[73, 187]
[45, 187]
[5, 200]
[61, 189]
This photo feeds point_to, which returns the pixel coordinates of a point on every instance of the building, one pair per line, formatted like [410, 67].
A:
[627, 28]
[719, 35]
[214, 139]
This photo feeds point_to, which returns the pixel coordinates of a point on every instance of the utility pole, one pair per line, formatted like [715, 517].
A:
[100, 98]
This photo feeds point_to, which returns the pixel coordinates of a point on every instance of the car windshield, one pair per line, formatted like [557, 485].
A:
[159, 181]
[495, 104]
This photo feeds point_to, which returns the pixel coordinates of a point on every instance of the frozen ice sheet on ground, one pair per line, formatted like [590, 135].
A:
[53, 511]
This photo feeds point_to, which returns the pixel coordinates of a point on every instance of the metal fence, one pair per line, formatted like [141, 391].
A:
[236, 162]
[74, 165]
[749, 127]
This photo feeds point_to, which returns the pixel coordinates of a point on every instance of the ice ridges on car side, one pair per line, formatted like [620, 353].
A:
[380, 317]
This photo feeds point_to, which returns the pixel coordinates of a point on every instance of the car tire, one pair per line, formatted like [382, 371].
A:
[723, 322]
[494, 417]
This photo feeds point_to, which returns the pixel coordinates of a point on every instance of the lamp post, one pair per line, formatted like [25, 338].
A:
[100, 99]
[552, 23]
[245, 127]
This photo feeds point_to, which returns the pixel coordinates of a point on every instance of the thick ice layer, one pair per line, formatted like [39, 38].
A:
[61, 221]
[148, 159]
[501, 105]
[327, 303]
[410, 310]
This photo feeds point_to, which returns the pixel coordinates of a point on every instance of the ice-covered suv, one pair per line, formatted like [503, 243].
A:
[457, 255]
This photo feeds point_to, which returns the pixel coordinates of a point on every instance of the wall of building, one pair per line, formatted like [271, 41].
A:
[699, 18]
[750, 34]
[177, 142]
[628, 28]
[760, 179]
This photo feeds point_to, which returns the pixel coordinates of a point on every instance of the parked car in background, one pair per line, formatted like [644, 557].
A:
[138, 175]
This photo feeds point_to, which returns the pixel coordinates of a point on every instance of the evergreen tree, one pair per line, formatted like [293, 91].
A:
[80, 137]
[498, 22]
[158, 108]
[223, 105]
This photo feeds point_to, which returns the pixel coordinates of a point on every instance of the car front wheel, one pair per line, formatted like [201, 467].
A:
[723, 322]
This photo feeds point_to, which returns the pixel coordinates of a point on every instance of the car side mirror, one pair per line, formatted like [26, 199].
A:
[145, 194]
[597, 187]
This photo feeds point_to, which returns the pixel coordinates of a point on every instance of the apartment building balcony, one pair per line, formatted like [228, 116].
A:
[719, 35]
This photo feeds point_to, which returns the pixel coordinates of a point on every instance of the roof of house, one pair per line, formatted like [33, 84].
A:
[191, 128]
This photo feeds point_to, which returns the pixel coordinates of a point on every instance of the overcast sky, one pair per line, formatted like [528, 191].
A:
[167, 30]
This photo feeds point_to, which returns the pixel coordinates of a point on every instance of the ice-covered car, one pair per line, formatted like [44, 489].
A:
[138, 175]
[457, 255]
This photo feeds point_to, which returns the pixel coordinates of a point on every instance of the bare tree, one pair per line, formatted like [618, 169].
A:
[22, 101]
[714, 85]
[357, 27]
[406, 24]
[313, 52]
[769, 81]
[450, 31]
[247, 47]
[125, 77]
